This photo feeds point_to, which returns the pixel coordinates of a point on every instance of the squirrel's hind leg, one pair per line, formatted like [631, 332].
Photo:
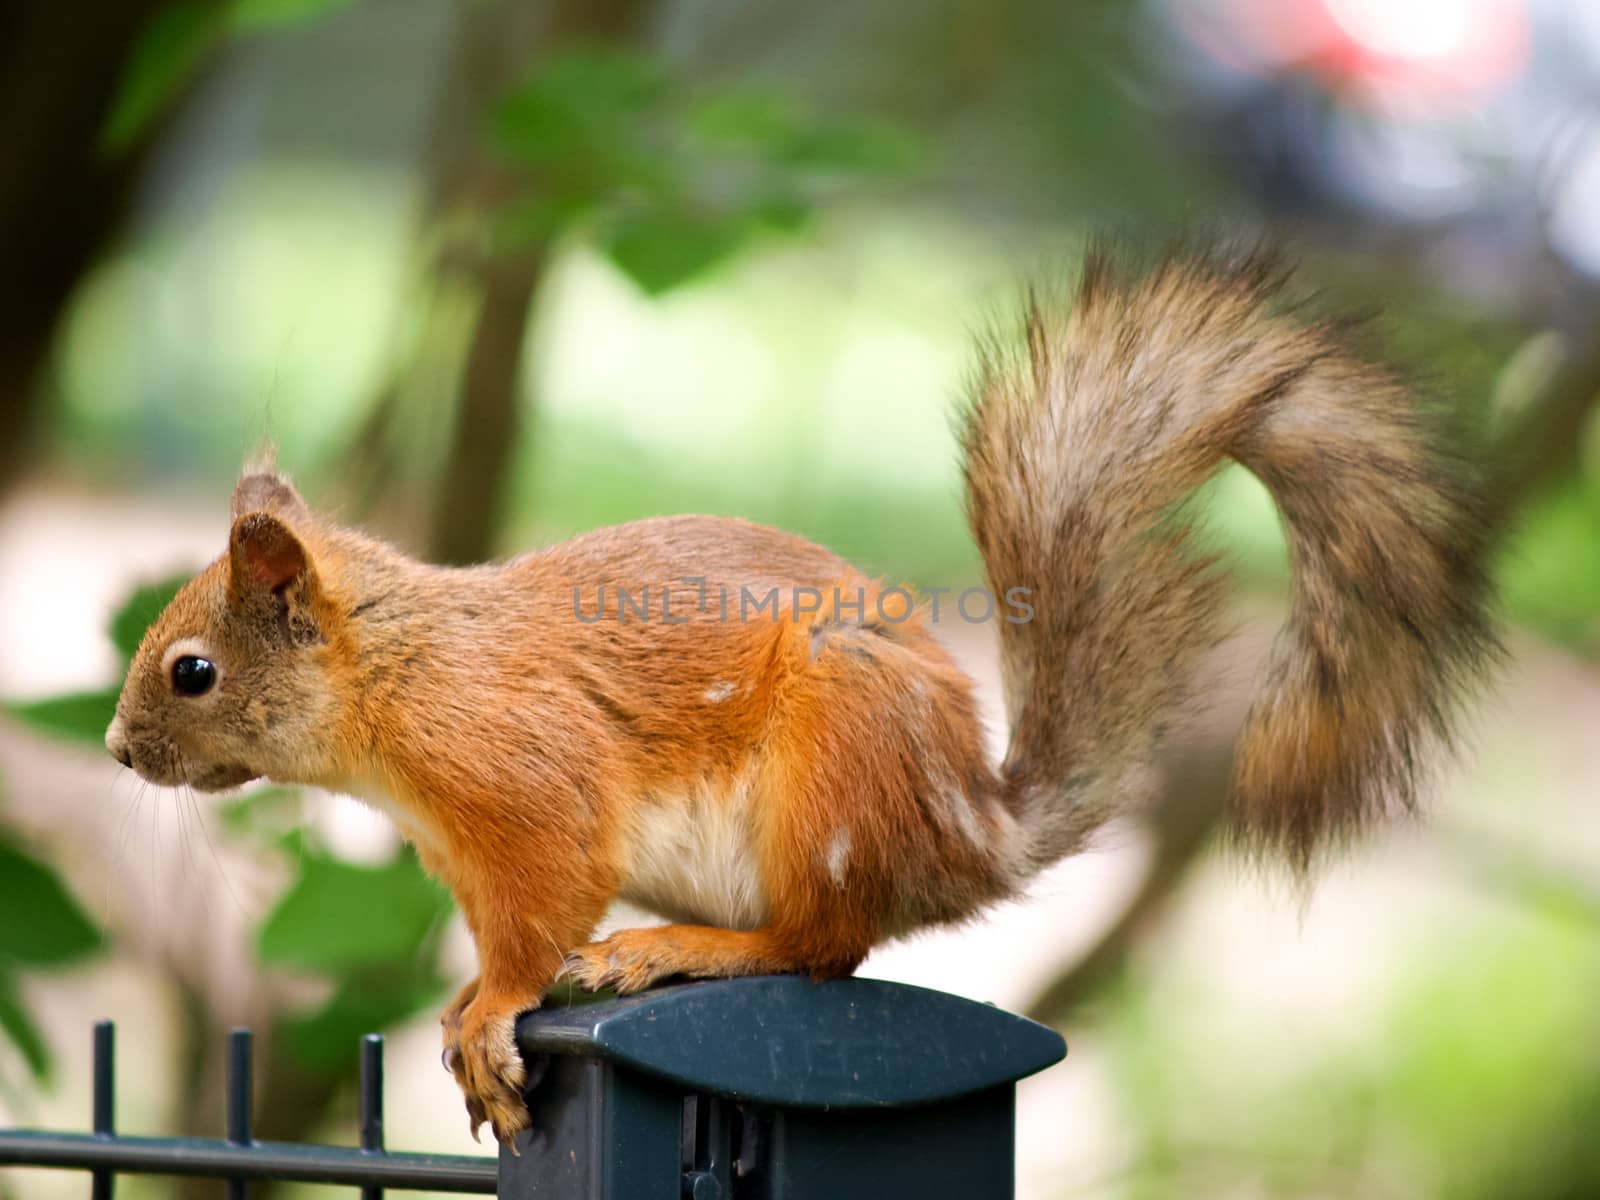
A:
[633, 959]
[871, 810]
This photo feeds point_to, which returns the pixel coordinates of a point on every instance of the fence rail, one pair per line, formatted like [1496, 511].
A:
[240, 1158]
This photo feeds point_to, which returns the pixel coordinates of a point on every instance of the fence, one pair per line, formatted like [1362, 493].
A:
[770, 1088]
[241, 1158]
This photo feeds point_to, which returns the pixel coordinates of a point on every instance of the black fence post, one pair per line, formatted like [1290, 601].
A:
[773, 1088]
[371, 1116]
[239, 1100]
[105, 1090]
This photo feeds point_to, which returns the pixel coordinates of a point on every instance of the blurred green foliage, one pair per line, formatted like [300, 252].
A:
[1551, 572]
[174, 45]
[41, 926]
[373, 932]
[321, 1039]
[325, 921]
[671, 179]
[81, 716]
[1476, 1079]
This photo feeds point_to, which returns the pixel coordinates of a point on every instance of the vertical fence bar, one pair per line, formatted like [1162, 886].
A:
[238, 1101]
[372, 1102]
[105, 1081]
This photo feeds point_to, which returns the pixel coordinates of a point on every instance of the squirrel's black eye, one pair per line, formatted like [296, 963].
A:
[193, 676]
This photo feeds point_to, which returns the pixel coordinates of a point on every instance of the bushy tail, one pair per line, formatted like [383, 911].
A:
[1079, 446]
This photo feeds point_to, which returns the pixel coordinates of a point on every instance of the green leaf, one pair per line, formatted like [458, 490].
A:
[248, 15]
[744, 117]
[661, 250]
[166, 54]
[602, 80]
[139, 611]
[325, 1040]
[1551, 573]
[783, 214]
[778, 129]
[175, 43]
[21, 1030]
[340, 917]
[669, 183]
[859, 147]
[580, 102]
[82, 716]
[40, 923]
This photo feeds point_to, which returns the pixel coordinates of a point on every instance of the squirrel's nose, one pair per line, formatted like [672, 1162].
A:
[117, 744]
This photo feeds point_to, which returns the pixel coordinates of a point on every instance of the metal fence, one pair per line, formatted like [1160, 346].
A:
[239, 1158]
[768, 1088]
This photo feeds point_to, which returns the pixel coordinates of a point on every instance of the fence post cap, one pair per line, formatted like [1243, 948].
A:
[786, 1040]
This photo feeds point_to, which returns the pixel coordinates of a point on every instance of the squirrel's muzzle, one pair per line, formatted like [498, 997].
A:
[117, 743]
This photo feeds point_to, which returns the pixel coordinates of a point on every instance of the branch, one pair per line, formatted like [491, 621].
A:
[488, 417]
[1191, 808]
[1541, 448]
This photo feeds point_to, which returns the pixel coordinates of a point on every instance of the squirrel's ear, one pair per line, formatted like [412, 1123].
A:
[266, 491]
[264, 554]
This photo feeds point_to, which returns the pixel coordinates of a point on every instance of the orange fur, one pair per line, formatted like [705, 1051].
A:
[793, 785]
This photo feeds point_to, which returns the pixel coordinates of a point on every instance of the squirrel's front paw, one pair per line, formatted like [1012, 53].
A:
[482, 1055]
[630, 960]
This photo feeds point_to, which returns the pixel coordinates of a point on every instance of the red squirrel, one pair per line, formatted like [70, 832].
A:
[736, 729]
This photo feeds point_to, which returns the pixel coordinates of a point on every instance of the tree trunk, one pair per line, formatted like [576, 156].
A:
[63, 197]
[499, 42]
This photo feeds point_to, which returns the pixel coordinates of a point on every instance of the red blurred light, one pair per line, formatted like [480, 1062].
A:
[1438, 51]
[1459, 48]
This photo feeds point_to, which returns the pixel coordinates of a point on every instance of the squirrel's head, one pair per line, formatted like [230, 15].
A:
[233, 680]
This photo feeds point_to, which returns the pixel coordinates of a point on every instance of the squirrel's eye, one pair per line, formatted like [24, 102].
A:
[193, 676]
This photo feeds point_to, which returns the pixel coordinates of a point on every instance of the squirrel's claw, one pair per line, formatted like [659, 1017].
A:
[476, 1116]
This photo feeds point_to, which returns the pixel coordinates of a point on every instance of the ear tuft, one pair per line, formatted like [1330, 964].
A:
[264, 553]
[263, 460]
[262, 489]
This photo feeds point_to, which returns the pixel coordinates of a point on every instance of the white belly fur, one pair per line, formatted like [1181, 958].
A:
[690, 856]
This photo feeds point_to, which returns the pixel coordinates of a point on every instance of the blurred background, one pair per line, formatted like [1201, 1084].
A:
[491, 273]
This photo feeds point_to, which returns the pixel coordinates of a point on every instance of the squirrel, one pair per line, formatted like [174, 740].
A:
[736, 729]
